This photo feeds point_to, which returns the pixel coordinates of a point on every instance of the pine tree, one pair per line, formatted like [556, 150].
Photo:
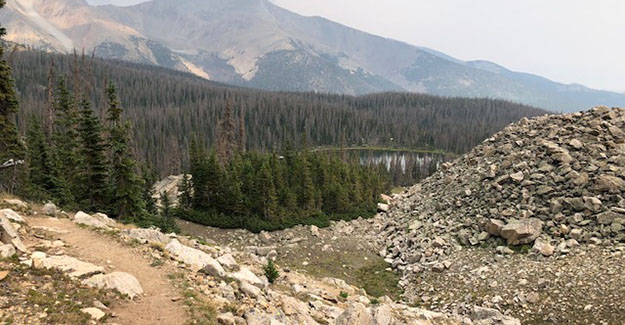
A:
[307, 188]
[266, 191]
[42, 181]
[215, 187]
[149, 178]
[125, 185]
[66, 142]
[166, 222]
[10, 146]
[185, 198]
[242, 133]
[94, 189]
[226, 140]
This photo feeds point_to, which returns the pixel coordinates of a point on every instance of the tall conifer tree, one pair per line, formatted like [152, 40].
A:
[125, 184]
[10, 146]
[93, 167]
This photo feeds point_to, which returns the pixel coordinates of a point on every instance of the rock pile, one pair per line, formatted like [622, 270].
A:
[552, 183]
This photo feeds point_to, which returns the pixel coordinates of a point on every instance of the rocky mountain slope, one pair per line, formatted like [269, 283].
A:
[256, 43]
[81, 268]
[550, 186]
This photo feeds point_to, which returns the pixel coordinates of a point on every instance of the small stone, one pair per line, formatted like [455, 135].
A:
[543, 247]
[95, 313]
[517, 177]
[533, 297]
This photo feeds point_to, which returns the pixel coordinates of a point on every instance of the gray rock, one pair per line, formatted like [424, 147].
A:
[17, 203]
[226, 319]
[11, 215]
[8, 235]
[245, 275]
[73, 267]
[88, 220]
[494, 227]
[521, 232]
[543, 247]
[7, 251]
[149, 235]
[94, 313]
[382, 315]
[195, 258]
[383, 207]
[356, 313]
[609, 183]
[228, 262]
[124, 283]
[250, 290]
[49, 209]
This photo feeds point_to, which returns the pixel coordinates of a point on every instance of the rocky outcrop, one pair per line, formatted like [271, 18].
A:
[9, 235]
[17, 203]
[123, 282]
[355, 314]
[88, 220]
[194, 258]
[553, 183]
[149, 235]
[74, 268]
[11, 215]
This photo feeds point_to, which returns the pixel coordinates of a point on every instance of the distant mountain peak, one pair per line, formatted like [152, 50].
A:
[256, 43]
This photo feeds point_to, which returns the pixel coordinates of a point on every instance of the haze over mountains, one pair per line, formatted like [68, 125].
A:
[257, 44]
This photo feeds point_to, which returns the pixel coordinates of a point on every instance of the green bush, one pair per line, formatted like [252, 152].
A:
[271, 272]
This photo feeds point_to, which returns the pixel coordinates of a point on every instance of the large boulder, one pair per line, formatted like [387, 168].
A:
[74, 268]
[104, 219]
[250, 290]
[609, 183]
[245, 275]
[489, 316]
[9, 235]
[228, 262]
[195, 258]
[11, 215]
[88, 220]
[7, 251]
[17, 203]
[521, 232]
[123, 282]
[149, 235]
[49, 209]
[356, 313]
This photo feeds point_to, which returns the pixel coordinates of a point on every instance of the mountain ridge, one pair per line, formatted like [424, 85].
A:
[255, 43]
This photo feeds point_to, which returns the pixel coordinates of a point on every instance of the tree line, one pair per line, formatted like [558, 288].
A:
[167, 106]
[232, 188]
[72, 156]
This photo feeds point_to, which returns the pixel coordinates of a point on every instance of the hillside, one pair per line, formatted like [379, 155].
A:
[525, 221]
[255, 43]
[58, 267]
[167, 107]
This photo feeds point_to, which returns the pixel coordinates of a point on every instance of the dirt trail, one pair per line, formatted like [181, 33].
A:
[155, 306]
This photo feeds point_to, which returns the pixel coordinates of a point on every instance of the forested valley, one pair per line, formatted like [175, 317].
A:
[167, 107]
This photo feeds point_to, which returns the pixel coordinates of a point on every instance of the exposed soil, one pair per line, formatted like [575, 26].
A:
[155, 306]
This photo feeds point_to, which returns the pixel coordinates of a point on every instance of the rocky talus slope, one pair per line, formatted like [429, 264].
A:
[532, 221]
[45, 250]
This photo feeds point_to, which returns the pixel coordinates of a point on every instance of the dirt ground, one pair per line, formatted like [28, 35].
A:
[155, 306]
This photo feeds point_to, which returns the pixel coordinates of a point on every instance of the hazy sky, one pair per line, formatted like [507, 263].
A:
[580, 41]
